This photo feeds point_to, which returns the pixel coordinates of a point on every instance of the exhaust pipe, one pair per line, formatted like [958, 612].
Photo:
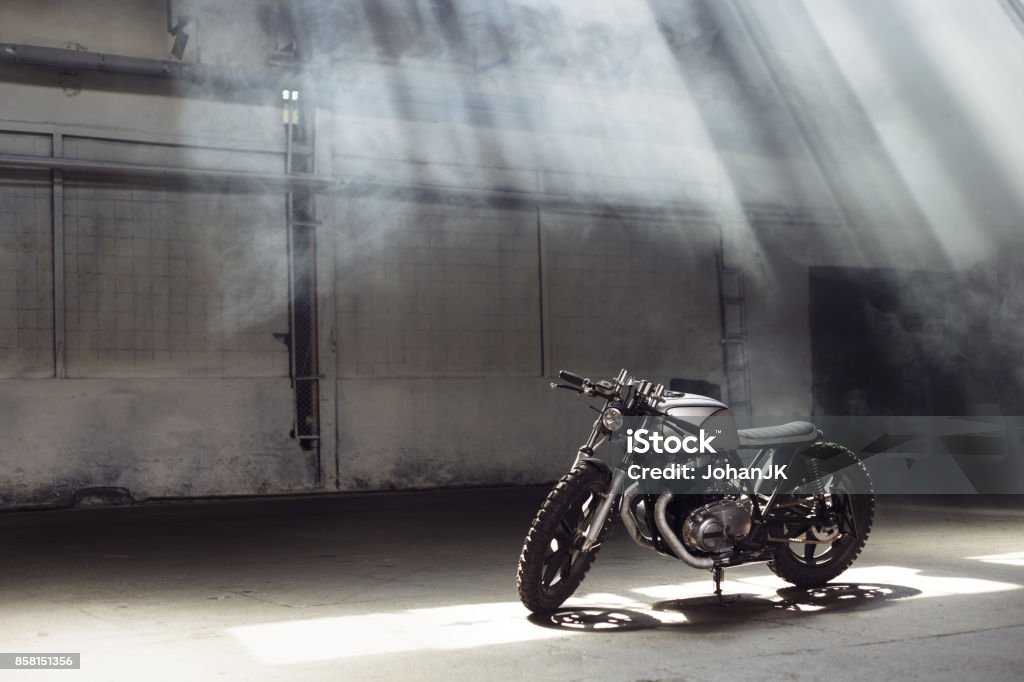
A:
[671, 539]
[628, 514]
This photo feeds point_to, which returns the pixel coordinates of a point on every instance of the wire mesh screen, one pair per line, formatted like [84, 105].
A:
[429, 290]
[174, 282]
[26, 276]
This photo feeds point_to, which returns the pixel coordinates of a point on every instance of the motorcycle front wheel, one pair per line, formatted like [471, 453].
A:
[552, 564]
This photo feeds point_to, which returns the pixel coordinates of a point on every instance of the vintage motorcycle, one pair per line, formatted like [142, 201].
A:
[809, 527]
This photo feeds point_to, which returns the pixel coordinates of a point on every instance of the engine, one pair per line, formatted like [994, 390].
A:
[717, 526]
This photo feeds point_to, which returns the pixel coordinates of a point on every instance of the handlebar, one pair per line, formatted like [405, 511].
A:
[568, 376]
[609, 389]
[574, 382]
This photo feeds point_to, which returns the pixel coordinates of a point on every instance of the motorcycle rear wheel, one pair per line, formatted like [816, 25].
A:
[814, 565]
[552, 564]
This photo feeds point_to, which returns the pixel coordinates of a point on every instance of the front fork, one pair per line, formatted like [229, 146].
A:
[618, 484]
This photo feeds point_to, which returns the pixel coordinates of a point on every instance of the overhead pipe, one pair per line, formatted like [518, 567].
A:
[84, 60]
[61, 58]
[307, 180]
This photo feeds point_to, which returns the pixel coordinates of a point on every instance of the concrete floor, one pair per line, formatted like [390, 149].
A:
[420, 586]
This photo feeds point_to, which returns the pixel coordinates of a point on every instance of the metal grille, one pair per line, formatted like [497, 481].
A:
[26, 277]
[173, 283]
[433, 290]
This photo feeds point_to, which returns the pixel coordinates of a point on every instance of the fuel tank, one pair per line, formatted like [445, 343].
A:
[702, 413]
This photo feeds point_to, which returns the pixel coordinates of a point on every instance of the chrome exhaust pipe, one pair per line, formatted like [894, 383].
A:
[672, 540]
[628, 514]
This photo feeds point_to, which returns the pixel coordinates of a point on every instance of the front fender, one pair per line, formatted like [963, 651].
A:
[599, 463]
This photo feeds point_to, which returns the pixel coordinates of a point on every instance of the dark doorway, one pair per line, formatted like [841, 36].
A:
[887, 342]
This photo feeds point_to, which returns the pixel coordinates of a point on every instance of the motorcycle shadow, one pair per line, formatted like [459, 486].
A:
[708, 612]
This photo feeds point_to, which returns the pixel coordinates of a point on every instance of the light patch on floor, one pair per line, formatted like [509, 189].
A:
[476, 625]
[607, 599]
[703, 588]
[450, 627]
[762, 588]
[1010, 558]
[928, 586]
[767, 586]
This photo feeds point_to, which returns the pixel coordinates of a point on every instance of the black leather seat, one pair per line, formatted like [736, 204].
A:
[783, 434]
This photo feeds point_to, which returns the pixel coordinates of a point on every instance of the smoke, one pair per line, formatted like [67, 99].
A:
[794, 106]
[887, 127]
[873, 134]
[575, 98]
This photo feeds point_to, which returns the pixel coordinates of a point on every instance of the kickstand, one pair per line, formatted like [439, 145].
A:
[719, 573]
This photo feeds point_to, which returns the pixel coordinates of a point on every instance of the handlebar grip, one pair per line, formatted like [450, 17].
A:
[570, 377]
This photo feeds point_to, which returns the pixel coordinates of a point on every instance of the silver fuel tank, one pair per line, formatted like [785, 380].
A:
[702, 413]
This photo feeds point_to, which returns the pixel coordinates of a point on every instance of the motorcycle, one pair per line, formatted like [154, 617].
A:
[809, 526]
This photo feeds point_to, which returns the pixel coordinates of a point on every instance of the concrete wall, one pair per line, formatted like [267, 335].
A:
[451, 317]
[175, 385]
[154, 437]
[534, 186]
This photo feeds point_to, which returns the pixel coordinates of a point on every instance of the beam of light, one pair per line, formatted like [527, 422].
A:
[766, 590]
[927, 586]
[973, 52]
[936, 191]
[466, 626]
[977, 73]
[701, 588]
[617, 600]
[629, 131]
[462, 626]
[1010, 558]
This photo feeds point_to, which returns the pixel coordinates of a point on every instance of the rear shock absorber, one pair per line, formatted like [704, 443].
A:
[815, 469]
[821, 509]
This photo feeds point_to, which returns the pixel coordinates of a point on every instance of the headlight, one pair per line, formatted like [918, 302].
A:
[612, 419]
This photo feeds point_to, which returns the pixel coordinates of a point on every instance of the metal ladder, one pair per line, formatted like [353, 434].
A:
[735, 359]
[302, 286]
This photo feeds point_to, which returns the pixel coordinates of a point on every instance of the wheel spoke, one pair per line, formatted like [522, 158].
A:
[554, 563]
[586, 517]
[573, 516]
[809, 553]
[567, 563]
[846, 504]
[559, 562]
[566, 530]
